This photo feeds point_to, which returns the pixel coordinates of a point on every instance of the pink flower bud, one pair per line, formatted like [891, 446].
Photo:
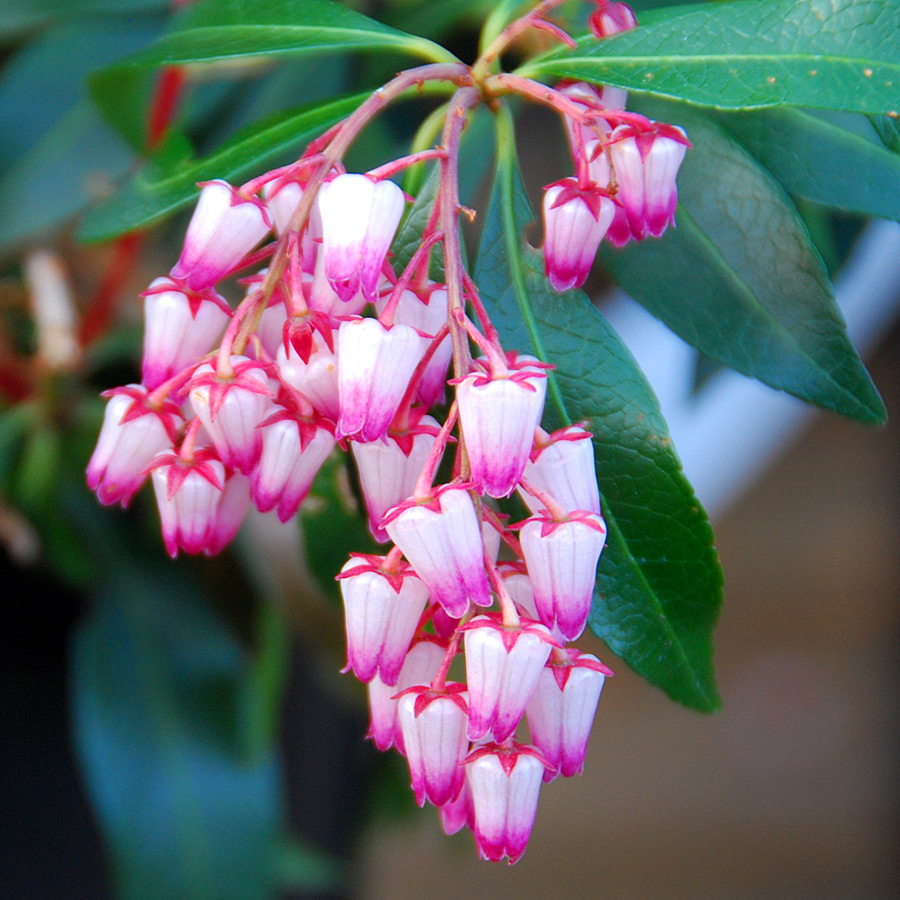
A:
[575, 221]
[231, 409]
[442, 540]
[504, 784]
[133, 433]
[388, 469]
[563, 466]
[498, 415]
[381, 612]
[502, 669]
[317, 379]
[225, 227]
[420, 666]
[434, 736]
[179, 328]
[611, 18]
[359, 218]
[293, 451]
[562, 563]
[374, 369]
[561, 710]
[646, 164]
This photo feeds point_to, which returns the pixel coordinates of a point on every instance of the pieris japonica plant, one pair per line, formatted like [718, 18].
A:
[341, 300]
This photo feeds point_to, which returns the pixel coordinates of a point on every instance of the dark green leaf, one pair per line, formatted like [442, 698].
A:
[659, 580]
[739, 279]
[185, 813]
[888, 130]
[168, 181]
[409, 234]
[827, 161]
[826, 54]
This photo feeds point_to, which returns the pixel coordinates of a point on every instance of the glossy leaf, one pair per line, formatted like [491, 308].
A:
[739, 279]
[186, 814]
[659, 581]
[826, 54]
[837, 162]
[167, 183]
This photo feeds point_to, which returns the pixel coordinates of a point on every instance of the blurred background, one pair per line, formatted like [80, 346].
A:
[138, 692]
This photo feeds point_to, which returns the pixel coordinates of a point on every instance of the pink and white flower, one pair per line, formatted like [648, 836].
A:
[316, 379]
[498, 414]
[442, 540]
[359, 218]
[563, 466]
[561, 710]
[133, 433]
[382, 609]
[225, 227]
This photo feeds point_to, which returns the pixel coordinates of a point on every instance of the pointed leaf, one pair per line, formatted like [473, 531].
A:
[659, 581]
[826, 54]
[839, 162]
[167, 183]
[739, 279]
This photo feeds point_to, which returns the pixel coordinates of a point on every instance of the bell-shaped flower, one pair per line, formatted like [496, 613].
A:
[503, 665]
[442, 540]
[563, 466]
[590, 98]
[561, 710]
[133, 432]
[316, 379]
[504, 783]
[180, 326]
[359, 218]
[375, 365]
[382, 608]
[231, 409]
[420, 666]
[293, 450]
[322, 297]
[498, 414]
[575, 220]
[426, 311]
[456, 814]
[225, 227]
[389, 468]
[561, 557]
[611, 18]
[233, 506]
[646, 163]
[433, 723]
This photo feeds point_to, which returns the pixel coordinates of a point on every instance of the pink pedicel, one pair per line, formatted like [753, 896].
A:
[419, 668]
[498, 414]
[225, 227]
[231, 410]
[504, 783]
[293, 451]
[646, 163]
[561, 710]
[180, 327]
[382, 608]
[575, 221]
[374, 367]
[389, 468]
[433, 723]
[503, 665]
[562, 465]
[359, 218]
[442, 540]
[133, 432]
[562, 564]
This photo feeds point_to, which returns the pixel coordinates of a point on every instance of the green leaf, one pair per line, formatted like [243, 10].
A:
[659, 581]
[888, 130]
[834, 162]
[156, 678]
[739, 279]
[825, 54]
[167, 183]
[17, 16]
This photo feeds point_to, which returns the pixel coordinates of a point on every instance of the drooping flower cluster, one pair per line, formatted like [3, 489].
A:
[334, 346]
[626, 166]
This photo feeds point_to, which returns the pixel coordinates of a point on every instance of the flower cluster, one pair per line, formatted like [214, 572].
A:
[336, 346]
